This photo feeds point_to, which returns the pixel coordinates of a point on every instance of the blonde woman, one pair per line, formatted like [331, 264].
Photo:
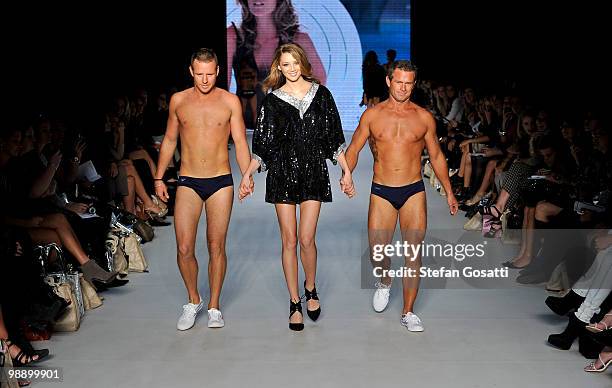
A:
[297, 129]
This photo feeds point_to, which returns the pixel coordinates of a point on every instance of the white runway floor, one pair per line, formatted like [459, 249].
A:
[473, 337]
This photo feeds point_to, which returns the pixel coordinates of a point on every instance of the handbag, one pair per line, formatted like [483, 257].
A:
[71, 319]
[144, 230]
[474, 223]
[115, 252]
[65, 283]
[510, 233]
[91, 300]
[135, 256]
[559, 280]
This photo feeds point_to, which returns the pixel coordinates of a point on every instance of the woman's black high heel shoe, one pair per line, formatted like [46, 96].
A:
[313, 314]
[293, 308]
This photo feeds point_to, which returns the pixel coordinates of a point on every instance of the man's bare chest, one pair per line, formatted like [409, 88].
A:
[397, 129]
[204, 117]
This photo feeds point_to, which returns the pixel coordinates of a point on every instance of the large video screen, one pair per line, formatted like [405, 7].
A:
[336, 34]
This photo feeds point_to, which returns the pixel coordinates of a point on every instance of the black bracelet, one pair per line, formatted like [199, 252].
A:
[156, 179]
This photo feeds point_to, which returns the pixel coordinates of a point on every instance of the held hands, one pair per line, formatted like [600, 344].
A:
[346, 184]
[247, 186]
[161, 191]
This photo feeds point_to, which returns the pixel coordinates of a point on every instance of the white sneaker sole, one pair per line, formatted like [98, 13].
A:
[184, 329]
[216, 325]
[380, 311]
[415, 330]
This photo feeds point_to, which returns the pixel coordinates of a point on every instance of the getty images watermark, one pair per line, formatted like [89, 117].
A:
[458, 252]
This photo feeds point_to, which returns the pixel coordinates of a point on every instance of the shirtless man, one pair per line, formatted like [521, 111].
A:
[398, 130]
[203, 116]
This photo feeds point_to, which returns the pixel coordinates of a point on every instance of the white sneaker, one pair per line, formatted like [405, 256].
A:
[215, 318]
[381, 297]
[412, 322]
[190, 311]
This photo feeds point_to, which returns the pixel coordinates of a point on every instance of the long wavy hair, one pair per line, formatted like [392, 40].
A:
[285, 20]
[276, 79]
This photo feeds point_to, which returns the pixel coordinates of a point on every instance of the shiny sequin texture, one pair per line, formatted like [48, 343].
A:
[292, 140]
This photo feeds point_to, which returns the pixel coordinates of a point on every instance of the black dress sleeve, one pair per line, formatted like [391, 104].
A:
[334, 142]
[265, 144]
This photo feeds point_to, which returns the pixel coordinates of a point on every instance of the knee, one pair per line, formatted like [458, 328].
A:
[185, 252]
[290, 242]
[58, 220]
[540, 212]
[216, 250]
[307, 241]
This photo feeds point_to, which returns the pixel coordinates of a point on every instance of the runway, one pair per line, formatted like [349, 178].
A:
[472, 338]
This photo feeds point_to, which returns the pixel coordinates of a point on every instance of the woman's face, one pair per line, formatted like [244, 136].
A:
[290, 67]
[568, 132]
[262, 7]
[12, 145]
[528, 124]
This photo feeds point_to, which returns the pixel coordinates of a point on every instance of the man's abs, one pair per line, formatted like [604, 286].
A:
[204, 158]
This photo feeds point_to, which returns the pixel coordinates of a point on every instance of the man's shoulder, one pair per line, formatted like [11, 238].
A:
[423, 113]
[180, 95]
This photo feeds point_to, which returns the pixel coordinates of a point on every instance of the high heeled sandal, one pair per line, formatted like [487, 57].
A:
[313, 314]
[594, 328]
[161, 205]
[293, 308]
[24, 358]
[486, 211]
[591, 366]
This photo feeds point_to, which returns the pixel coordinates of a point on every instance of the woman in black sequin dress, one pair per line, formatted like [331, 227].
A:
[298, 128]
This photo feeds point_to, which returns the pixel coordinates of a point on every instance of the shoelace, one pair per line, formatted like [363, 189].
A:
[382, 286]
[411, 317]
[215, 315]
[190, 308]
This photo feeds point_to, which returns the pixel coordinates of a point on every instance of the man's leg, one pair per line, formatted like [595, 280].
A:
[382, 218]
[187, 212]
[413, 222]
[309, 217]
[218, 212]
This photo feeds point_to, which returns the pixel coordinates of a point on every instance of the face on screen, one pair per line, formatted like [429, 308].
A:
[290, 67]
[262, 7]
[204, 75]
[400, 87]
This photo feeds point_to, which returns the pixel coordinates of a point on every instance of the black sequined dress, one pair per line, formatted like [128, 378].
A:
[292, 140]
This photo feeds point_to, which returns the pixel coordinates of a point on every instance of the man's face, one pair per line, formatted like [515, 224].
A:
[204, 75]
[402, 84]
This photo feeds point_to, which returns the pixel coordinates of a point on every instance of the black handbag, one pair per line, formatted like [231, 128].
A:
[144, 230]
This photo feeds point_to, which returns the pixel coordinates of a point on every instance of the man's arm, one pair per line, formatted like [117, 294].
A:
[360, 136]
[170, 139]
[438, 161]
[238, 131]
